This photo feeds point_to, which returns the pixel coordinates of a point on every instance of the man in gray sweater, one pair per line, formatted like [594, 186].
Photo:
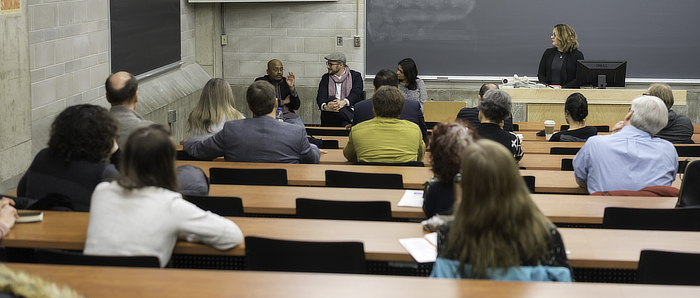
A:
[122, 94]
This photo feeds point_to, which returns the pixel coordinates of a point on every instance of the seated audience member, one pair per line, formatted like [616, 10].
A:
[679, 129]
[494, 108]
[258, 139]
[413, 88]
[449, 141]
[215, 107]
[340, 89]
[472, 114]
[498, 232]
[122, 93]
[575, 112]
[385, 138]
[411, 109]
[82, 139]
[142, 213]
[287, 97]
[8, 215]
[632, 158]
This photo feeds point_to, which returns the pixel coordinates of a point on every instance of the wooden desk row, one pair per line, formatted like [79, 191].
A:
[413, 177]
[591, 248]
[281, 200]
[108, 282]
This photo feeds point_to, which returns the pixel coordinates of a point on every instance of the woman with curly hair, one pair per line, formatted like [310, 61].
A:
[498, 232]
[214, 108]
[558, 63]
[448, 142]
[81, 141]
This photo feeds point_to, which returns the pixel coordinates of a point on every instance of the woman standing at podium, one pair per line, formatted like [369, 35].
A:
[558, 63]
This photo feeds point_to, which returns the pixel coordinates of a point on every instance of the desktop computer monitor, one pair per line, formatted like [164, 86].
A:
[601, 74]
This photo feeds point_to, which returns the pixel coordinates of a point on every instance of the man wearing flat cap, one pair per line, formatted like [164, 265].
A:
[338, 91]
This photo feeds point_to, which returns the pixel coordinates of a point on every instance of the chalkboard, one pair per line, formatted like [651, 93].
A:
[659, 39]
[144, 34]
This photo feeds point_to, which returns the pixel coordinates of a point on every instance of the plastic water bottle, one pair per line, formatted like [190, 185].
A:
[279, 117]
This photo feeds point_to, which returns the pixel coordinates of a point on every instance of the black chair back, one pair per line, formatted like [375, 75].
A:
[59, 257]
[684, 219]
[282, 255]
[564, 150]
[363, 180]
[319, 131]
[430, 125]
[398, 164]
[272, 177]
[345, 210]
[567, 164]
[668, 268]
[600, 128]
[224, 206]
[688, 151]
[329, 144]
[530, 182]
[182, 155]
[516, 127]
[682, 164]
[690, 187]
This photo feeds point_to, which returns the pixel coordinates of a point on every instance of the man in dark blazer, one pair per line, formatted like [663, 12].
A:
[259, 139]
[411, 111]
[472, 114]
[340, 89]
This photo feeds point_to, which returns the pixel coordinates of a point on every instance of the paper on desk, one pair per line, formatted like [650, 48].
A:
[420, 249]
[432, 238]
[412, 198]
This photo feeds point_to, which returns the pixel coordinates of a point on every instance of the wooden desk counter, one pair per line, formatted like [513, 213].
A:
[413, 177]
[559, 208]
[593, 248]
[549, 162]
[112, 282]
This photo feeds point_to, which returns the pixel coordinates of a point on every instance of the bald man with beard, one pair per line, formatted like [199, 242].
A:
[287, 97]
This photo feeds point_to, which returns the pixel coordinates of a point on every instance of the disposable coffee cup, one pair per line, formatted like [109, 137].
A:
[549, 128]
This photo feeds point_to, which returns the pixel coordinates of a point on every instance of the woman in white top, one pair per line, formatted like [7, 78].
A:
[412, 87]
[214, 108]
[142, 214]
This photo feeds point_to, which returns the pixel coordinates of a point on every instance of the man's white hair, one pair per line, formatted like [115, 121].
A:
[650, 114]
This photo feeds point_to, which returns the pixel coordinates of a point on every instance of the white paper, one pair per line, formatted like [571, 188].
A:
[420, 249]
[432, 238]
[412, 198]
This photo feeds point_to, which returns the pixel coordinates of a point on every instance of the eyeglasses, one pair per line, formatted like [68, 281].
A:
[646, 94]
[332, 64]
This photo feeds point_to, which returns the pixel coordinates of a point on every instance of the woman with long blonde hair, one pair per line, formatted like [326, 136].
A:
[215, 107]
[498, 232]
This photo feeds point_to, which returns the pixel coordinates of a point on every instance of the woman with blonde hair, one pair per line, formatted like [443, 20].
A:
[498, 232]
[215, 107]
[558, 63]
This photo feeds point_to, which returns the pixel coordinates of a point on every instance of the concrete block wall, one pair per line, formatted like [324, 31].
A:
[69, 59]
[15, 98]
[299, 34]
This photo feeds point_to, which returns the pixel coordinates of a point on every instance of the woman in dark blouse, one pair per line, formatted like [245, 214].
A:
[82, 139]
[448, 142]
[575, 111]
[558, 63]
